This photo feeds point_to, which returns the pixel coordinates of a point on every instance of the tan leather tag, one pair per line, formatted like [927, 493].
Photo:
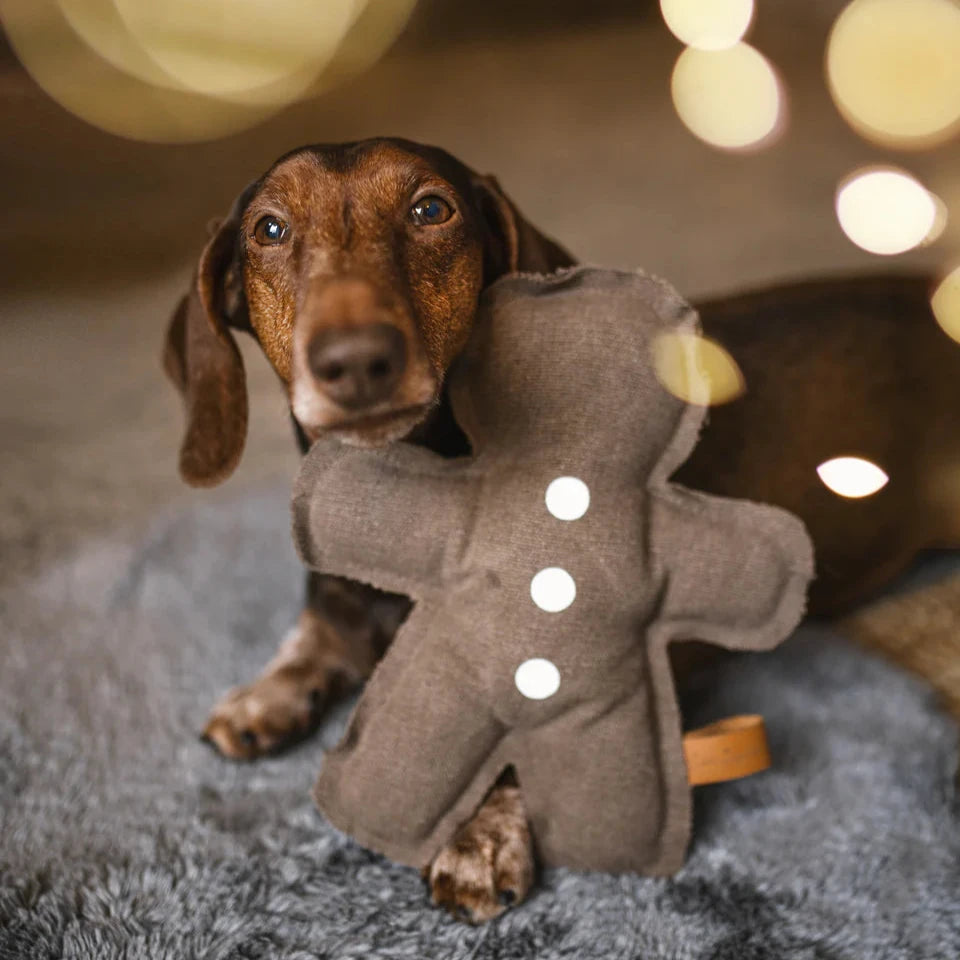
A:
[726, 750]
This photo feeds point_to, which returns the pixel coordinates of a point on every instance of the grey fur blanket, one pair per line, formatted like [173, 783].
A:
[122, 836]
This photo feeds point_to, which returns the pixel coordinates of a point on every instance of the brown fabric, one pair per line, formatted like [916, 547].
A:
[556, 381]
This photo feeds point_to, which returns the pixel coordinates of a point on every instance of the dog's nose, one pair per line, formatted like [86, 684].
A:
[358, 367]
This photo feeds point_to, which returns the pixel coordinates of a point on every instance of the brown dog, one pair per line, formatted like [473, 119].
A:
[358, 267]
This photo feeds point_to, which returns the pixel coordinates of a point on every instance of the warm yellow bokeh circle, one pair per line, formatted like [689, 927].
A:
[249, 57]
[107, 97]
[946, 304]
[893, 67]
[227, 78]
[98, 24]
[257, 51]
[729, 98]
[886, 211]
[696, 370]
[707, 24]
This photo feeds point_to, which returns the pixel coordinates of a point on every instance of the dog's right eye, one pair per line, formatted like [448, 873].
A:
[270, 231]
[431, 210]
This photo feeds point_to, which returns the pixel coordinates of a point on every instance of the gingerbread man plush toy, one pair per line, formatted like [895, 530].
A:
[550, 571]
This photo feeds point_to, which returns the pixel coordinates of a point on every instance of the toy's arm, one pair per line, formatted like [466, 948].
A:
[736, 572]
[394, 518]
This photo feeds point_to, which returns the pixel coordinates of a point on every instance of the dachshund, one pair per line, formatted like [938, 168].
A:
[357, 268]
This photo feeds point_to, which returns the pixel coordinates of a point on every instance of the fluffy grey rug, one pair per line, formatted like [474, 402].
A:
[124, 837]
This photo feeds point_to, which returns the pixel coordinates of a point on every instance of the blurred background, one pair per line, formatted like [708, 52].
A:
[127, 129]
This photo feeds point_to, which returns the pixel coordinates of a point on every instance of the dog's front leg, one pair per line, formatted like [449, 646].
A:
[489, 864]
[341, 634]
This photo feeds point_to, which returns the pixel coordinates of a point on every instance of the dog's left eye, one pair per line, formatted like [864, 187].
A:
[431, 210]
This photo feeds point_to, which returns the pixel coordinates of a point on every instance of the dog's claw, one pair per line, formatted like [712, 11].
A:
[488, 867]
[262, 718]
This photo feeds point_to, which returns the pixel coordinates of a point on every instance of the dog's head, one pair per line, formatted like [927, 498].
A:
[357, 268]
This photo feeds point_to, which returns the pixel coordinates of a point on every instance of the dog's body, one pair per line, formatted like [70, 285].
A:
[358, 269]
[856, 366]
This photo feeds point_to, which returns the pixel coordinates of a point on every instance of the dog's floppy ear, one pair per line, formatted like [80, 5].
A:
[201, 358]
[513, 244]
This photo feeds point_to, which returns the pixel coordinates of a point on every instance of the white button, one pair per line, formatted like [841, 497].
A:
[553, 589]
[568, 498]
[537, 679]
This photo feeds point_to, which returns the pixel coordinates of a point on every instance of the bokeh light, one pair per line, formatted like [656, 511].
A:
[852, 477]
[101, 27]
[373, 31]
[885, 211]
[194, 69]
[893, 67]
[708, 24]
[946, 304]
[101, 94]
[261, 51]
[729, 98]
[941, 217]
[695, 369]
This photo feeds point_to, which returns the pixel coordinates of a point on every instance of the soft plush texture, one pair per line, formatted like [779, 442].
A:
[122, 837]
[557, 381]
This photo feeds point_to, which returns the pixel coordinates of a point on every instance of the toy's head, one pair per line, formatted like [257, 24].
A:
[572, 376]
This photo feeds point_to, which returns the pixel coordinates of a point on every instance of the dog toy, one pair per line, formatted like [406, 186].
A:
[550, 570]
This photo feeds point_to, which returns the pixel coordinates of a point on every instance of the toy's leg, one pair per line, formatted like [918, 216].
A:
[334, 646]
[420, 751]
[592, 784]
[488, 866]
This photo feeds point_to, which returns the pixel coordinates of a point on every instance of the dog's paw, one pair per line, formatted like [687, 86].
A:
[488, 867]
[273, 712]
